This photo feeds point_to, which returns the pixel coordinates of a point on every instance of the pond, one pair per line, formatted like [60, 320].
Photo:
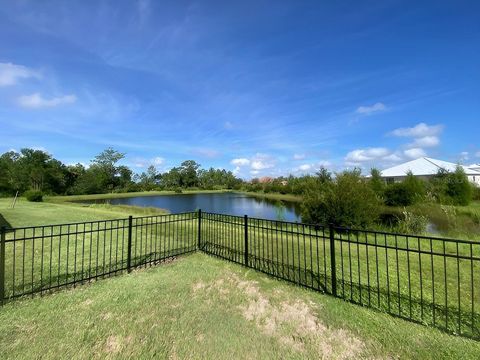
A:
[230, 203]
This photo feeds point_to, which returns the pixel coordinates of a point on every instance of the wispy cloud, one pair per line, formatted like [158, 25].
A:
[143, 163]
[206, 153]
[365, 155]
[37, 101]
[10, 73]
[418, 131]
[240, 162]
[415, 153]
[426, 141]
[299, 156]
[369, 110]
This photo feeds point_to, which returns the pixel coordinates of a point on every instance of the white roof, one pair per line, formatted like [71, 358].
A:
[425, 166]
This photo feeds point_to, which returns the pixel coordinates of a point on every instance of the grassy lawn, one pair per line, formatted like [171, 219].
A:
[28, 213]
[200, 307]
[429, 289]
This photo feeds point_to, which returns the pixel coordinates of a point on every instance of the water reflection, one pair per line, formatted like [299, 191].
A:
[225, 203]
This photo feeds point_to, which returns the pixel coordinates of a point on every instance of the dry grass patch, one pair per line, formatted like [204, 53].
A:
[292, 323]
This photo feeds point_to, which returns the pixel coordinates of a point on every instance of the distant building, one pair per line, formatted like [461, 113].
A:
[265, 180]
[426, 168]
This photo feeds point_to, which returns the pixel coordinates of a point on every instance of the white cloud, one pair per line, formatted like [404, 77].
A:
[260, 165]
[393, 158]
[426, 141]
[240, 162]
[157, 161]
[37, 101]
[364, 155]
[256, 163]
[464, 156]
[299, 156]
[143, 163]
[420, 130]
[11, 73]
[305, 167]
[228, 125]
[368, 110]
[415, 153]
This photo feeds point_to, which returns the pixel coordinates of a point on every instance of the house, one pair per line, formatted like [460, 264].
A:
[426, 168]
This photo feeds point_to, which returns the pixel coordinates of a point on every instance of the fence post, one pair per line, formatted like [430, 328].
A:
[332, 259]
[129, 254]
[3, 232]
[199, 229]
[246, 239]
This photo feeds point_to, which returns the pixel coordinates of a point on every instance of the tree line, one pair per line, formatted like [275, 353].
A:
[36, 170]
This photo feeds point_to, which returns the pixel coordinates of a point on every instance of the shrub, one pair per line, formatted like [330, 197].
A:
[408, 192]
[410, 223]
[178, 191]
[398, 194]
[459, 188]
[376, 182]
[34, 195]
[347, 201]
[476, 193]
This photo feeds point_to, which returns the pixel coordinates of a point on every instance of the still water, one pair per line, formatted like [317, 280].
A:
[223, 203]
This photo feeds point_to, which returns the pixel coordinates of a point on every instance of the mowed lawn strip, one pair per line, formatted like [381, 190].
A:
[201, 307]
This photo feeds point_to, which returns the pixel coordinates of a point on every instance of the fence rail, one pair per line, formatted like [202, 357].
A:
[433, 281]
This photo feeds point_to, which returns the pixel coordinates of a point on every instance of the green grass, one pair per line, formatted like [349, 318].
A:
[394, 288]
[127, 195]
[406, 284]
[461, 222]
[28, 213]
[201, 308]
[275, 196]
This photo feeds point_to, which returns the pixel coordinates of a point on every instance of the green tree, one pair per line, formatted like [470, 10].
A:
[376, 182]
[105, 166]
[347, 201]
[188, 171]
[459, 188]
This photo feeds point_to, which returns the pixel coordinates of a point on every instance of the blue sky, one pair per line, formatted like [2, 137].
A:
[258, 87]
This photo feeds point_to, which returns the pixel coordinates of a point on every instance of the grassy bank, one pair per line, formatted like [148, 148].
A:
[28, 213]
[200, 307]
[127, 195]
[274, 196]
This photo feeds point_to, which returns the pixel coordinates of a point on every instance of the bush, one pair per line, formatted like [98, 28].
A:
[406, 193]
[398, 194]
[459, 188]
[347, 201]
[410, 223]
[178, 191]
[476, 193]
[377, 183]
[34, 195]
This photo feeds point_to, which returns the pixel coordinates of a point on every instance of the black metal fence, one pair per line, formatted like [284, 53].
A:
[433, 281]
[42, 258]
